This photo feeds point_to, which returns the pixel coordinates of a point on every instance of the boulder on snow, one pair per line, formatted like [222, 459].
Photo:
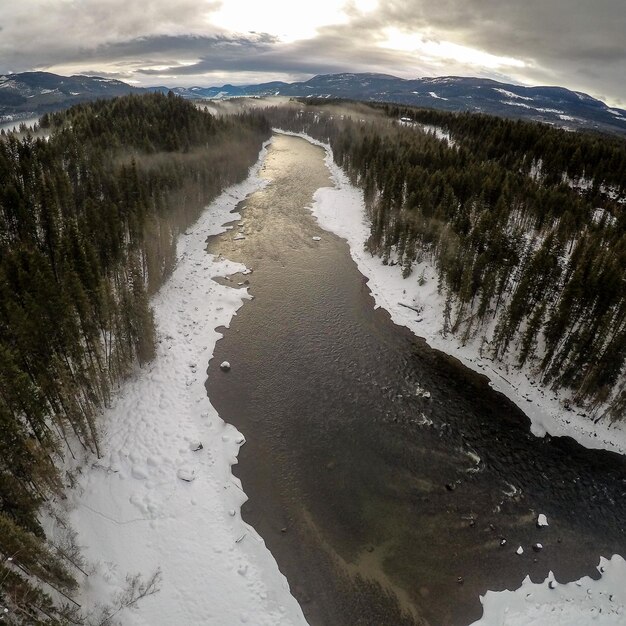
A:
[186, 475]
[195, 446]
[225, 366]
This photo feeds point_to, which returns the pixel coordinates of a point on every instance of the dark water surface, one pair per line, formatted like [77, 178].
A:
[371, 497]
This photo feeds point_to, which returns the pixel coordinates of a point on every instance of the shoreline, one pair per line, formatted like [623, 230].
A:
[399, 297]
[162, 497]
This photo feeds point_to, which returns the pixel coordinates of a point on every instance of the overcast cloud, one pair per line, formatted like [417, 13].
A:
[579, 44]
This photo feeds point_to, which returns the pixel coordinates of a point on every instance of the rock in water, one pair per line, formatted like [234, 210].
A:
[542, 520]
[316, 238]
[225, 366]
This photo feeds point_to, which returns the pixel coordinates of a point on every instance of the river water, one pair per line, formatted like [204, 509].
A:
[380, 505]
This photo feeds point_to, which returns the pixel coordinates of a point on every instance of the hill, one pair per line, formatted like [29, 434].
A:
[33, 93]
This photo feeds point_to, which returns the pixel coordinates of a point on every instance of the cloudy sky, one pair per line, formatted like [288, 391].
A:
[580, 44]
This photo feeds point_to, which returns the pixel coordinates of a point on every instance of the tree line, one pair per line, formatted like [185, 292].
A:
[89, 217]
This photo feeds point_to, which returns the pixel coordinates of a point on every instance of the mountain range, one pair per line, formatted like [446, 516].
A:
[31, 93]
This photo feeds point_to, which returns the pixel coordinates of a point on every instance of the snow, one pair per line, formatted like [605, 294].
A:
[432, 94]
[439, 133]
[540, 109]
[579, 603]
[510, 94]
[599, 214]
[620, 114]
[341, 210]
[155, 499]
[430, 129]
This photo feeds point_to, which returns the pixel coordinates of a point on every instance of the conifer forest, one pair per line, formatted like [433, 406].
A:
[91, 204]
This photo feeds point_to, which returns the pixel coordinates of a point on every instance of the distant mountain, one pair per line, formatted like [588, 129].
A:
[33, 93]
[552, 105]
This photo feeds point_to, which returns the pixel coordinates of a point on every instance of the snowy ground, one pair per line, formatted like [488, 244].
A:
[152, 502]
[341, 210]
[581, 603]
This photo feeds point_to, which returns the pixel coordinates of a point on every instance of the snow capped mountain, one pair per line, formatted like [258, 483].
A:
[552, 105]
[32, 93]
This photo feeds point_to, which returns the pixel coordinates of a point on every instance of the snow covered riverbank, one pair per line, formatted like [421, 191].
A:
[163, 497]
[580, 603]
[341, 210]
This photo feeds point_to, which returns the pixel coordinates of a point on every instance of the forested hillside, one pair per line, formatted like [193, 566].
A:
[88, 224]
[525, 225]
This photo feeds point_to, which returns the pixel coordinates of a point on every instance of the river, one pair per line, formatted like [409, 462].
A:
[381, 505]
